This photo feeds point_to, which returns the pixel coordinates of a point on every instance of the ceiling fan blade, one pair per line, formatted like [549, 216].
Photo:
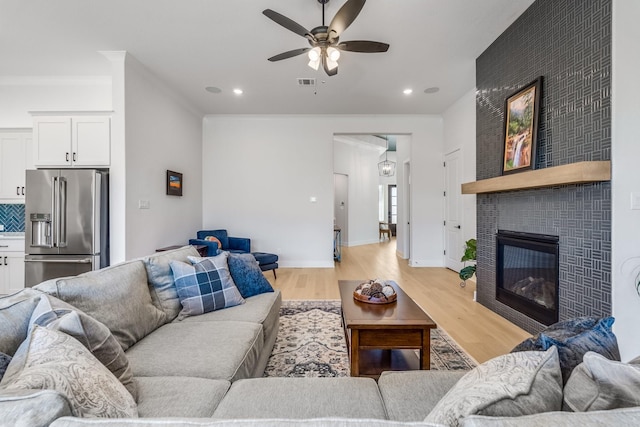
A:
[345, 17]
[329, 72]
[288, 23]
[289, 54]
[365, 46]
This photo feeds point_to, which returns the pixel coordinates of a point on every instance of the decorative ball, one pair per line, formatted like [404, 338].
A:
[388, 291]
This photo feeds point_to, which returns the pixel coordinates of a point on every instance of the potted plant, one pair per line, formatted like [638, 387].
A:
[468, 271]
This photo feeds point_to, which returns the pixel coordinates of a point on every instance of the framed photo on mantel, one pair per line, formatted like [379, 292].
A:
[521, 128]
[174, 183]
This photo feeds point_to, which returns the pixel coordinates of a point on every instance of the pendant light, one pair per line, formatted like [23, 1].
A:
[386, 168]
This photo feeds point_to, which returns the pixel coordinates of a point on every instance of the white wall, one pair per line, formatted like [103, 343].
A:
[161, 133]
[262, 170]
[19, 95]
[460, 134]
[360, 163]
[626, 175]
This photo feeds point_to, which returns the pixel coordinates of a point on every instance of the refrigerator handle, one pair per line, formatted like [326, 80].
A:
[62, 213]
[54, 211]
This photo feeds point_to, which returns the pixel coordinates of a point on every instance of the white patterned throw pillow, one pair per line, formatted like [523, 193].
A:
[514, 384]
[52, 360]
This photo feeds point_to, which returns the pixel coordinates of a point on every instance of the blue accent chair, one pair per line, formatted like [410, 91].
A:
[232, 244]
[266, 261]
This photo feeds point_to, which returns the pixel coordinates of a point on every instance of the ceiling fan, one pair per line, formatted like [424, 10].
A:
[325, 41]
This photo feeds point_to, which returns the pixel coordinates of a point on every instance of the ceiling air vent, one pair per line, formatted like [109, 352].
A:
[306, 82]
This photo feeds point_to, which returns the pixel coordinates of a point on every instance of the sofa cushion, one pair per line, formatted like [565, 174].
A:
[618, 417]
[15, 312]
[302, 398]
[205, 286]
[161, 283]
[574, 337]
[32, 408]
[49, 359]
[411, 395]
[245, 272]
[179, 396]
[204, 422]
[514, 384]
[117, 296]
[263, 309]
[216, 350]
[599, 383]
[56, 314]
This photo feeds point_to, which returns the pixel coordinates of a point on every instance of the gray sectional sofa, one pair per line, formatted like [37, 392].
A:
[208, 370]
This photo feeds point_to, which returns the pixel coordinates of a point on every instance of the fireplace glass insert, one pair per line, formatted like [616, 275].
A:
[527, 274]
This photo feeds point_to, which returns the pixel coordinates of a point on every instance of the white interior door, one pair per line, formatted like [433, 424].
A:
[407, 211]
[453, 211]
[341, 205]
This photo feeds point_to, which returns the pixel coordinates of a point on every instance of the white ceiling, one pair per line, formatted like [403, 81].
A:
[191, 44]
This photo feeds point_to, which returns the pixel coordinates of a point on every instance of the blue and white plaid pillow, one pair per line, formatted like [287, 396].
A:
[205, 286]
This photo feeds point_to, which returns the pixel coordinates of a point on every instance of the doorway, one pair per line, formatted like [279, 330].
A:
[392, 212]
[453, 211]
[341, 205]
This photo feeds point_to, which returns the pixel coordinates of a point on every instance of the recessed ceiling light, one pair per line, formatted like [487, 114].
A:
[431, 89]
[213, 89]
[238, 91]
[407, 91]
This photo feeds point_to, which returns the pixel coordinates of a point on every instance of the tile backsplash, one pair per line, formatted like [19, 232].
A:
[12, 217]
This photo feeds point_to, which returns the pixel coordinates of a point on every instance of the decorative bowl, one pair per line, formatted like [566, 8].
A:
[375, 291]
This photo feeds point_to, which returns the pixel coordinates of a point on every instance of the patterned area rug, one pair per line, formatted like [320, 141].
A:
[311, 343]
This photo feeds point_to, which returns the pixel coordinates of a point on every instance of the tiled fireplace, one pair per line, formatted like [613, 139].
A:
[568, 43]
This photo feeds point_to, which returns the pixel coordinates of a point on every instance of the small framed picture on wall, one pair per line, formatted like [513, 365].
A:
[174, 183]
[521, 128]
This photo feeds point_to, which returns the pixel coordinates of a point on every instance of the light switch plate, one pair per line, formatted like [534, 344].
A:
[144, 204]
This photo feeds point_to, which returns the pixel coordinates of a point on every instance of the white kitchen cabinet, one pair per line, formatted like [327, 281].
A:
[11, 265]
[15, 155]
[72, 141]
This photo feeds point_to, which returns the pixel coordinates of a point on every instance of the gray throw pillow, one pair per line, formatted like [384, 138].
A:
[55, 314]
[511, 385]
[161, 284]
[52, 360]
[15, 312]
[117, 296]
[601, 384]
[205, 286]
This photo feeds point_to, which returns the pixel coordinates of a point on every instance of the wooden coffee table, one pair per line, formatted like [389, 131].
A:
[383, 336]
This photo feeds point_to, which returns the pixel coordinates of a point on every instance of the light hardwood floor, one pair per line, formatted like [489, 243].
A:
[481, 332]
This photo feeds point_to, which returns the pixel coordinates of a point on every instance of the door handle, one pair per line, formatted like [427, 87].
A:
[61, 261]
[458, 227]
[5, 260]
[4, 246]
[74, 157]
[23, 191]
[66, 156]
[17, 191]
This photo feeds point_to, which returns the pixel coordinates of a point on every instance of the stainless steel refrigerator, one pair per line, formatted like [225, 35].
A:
[66, 223]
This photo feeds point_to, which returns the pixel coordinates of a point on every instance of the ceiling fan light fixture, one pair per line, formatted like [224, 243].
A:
[314, 54]
[314, 58]
[333, 54]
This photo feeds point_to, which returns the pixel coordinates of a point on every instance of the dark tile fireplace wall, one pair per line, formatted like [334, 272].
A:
[568, 42]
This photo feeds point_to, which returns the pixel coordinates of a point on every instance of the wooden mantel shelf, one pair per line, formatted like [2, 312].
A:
[574, 173]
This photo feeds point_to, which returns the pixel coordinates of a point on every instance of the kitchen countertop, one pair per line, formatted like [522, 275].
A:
[12, 235]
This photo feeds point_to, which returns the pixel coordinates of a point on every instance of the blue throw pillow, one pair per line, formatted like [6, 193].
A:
[246, 274]
[205, 286]
[575, 337]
